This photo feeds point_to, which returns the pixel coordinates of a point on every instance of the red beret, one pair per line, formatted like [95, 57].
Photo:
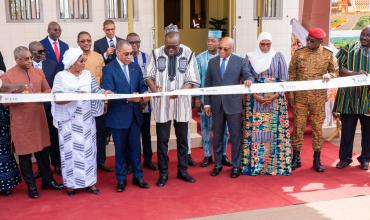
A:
[317, 33]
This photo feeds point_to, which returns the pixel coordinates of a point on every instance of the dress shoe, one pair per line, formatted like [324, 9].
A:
[32, 192]
[140, 183]
[93, 190]
[6, 192]
[226, 161]
[364, 165]
[162, 181]
[216, 171]
[150, 166]
[71, 192]
[342, 164]
[206, 161]
[104, 168]
[186, 177]
[191, 162]
[52, 185]
[37, 174]
[58, 170]
[121, 185]
[235, 172]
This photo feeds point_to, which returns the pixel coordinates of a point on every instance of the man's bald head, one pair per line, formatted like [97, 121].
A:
[35, 45]
[54, 30]
[226, 47]
[228, 41]
[37, 51]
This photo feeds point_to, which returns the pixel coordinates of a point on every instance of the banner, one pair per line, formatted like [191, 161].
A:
[342, 82]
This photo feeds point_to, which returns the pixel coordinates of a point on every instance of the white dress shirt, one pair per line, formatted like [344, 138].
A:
[108, 41]
[52, 43]
[37, 65]
[125, 70]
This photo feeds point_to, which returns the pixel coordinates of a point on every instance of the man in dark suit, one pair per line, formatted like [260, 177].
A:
[106, 46]
[224, 70]
[50, 69]
[55, 48]
[124, 116]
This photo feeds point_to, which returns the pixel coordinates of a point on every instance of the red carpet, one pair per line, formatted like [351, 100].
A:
[208, 196]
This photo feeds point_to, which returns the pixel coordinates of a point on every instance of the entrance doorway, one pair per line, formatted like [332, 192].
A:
[192, 17]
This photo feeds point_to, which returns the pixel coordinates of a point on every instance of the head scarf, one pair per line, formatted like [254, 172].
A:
[261, 61]
[71, 56]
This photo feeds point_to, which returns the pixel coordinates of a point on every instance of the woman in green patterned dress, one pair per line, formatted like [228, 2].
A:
[266, 144]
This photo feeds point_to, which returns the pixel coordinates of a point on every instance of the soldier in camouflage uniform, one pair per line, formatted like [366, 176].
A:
[310, 63]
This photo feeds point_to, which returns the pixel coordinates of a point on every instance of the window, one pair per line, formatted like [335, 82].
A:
[271, 9]
[172, 15]
[118, 9]
[74, 9]
[198, 14]
[23, 10]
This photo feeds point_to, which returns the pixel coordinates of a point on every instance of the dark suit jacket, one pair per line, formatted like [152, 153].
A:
[50, 69]
[236, 72]
[101, 47]
[122, 113]
[2, 64]
[50, 55]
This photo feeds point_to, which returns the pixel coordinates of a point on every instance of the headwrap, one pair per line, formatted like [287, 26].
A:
[259, 60]
[71, 56]
[215, 34]
[317, 33]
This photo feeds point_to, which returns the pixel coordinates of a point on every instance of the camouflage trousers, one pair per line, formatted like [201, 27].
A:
[316, 111]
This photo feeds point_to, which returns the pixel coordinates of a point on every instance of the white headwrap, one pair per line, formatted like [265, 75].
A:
[261, 61]
[71, 56]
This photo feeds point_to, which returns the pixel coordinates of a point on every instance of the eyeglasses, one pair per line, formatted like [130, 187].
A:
[173, 47]
[40, 51]
[135, 42]
[85, 41]
[126, 53]
[265, 44]
[25, 58]
[224, 48]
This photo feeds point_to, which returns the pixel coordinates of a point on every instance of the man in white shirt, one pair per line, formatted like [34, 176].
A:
[172, 67]
[106, 46]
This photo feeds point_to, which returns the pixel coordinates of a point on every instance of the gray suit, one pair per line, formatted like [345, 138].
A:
[227, 108]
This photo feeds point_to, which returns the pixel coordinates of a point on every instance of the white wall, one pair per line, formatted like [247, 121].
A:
[246, 27]
[16, 34]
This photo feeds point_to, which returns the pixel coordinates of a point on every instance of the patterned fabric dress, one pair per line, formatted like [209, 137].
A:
[9, 173]
[266, 144]
[77, 132]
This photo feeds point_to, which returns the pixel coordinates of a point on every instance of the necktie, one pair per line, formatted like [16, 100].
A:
[126, 73]
[56, 50]
[223, 67]
[111, 43]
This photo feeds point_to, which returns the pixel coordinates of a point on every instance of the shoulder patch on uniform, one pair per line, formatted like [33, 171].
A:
[300, 48]
[328, 49]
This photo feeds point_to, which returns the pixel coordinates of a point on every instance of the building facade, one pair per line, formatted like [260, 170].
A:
[23, 21]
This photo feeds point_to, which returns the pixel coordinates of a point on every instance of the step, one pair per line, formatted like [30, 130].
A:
[196, 141]
[192, 125]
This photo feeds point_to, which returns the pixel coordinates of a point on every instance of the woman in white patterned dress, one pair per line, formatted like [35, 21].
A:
[75, 121]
